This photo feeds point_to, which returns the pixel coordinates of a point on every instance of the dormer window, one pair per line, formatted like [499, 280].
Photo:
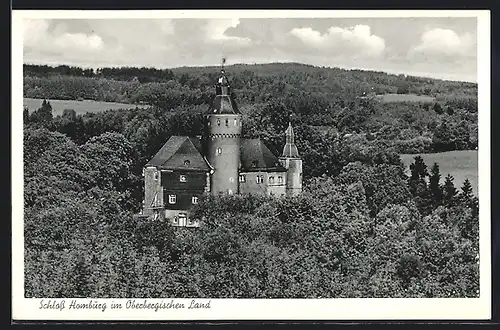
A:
[254, 163]
[182, 178]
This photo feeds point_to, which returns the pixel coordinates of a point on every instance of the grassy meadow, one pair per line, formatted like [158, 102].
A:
[460, 164]
[80, 107]
[405, 98]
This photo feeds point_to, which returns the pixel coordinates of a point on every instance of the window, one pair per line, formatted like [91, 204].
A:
[190, 222]
[235, 122]
[182, 178]
[271, 179]
[187, 162]
[182, 219]
[175, 221]
[172, 199]
[280, 180]
[156, 176]
[229, 192]
[194, 200]
[260, 179]
[219, 151]
[218, 122]
[242, 178]
[227, 122]
[231, 179]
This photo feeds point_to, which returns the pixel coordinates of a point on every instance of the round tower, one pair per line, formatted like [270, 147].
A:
[223, 131]
[291, 160]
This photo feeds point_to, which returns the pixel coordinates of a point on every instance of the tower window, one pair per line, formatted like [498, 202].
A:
[156, 176]
[227, 122]
[219, 151]
[218, 122]
[182, 178]
[242, 178]
[271, 179]
[280, 180]
[172, 199]
[194, 200]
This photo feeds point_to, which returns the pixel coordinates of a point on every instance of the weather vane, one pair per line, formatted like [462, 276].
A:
[222, 65]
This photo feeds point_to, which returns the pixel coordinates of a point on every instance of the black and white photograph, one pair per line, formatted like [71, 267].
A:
[187, 165]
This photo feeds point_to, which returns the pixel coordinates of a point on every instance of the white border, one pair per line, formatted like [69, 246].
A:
[239, 309]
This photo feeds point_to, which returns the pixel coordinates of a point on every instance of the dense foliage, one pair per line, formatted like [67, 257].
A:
[319, 98]
[362, 228]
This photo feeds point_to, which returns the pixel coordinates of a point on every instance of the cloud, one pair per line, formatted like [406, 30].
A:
[36, 34]
[443, 44]
[403, 45]
[355, 41]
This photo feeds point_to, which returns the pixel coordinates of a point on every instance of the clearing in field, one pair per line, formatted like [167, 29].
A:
[405, 98]
[80, 107]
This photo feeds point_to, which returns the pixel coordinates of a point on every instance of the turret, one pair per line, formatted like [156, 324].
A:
[222, 139]
[291, 160]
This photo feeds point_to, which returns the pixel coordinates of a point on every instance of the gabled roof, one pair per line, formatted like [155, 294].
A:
[180, 153]
[255, 156]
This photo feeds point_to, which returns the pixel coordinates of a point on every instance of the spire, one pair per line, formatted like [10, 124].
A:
[223, 103]
[290, 149]
[222, 86]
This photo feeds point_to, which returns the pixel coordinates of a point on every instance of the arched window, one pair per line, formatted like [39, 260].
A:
[235, 122]
[187, 162]
[218, 122]
[227, 122]
[219, 151]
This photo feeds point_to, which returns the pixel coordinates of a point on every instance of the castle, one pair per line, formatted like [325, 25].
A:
[218, 162]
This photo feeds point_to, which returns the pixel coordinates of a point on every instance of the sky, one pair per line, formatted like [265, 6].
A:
[444, 48]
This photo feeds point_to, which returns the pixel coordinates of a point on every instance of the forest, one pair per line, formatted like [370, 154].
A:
[362, 228]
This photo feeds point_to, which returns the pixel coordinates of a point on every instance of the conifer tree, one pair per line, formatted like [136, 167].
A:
[26, 115]
[466, 192]
[449, 190]
[434, 186]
